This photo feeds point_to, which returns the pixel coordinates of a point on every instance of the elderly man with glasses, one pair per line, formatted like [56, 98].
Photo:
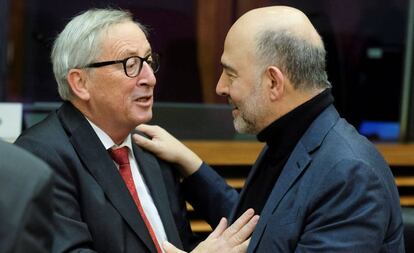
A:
[110, 195]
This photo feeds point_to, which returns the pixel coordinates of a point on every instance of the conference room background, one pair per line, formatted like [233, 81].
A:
[368, 52]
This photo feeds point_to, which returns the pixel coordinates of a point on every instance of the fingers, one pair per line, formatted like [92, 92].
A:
[168, 148]
[143, 142]
[169, 248]
[219, 229]
[239, 223]
[147, 129]
[231, 239]
[153, 132]
[246, 230]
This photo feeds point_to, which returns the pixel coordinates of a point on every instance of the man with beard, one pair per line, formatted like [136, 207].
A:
[318, 185]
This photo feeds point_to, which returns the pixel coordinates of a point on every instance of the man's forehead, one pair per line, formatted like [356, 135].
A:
[125, 30]
[126, 39]
[237, 49]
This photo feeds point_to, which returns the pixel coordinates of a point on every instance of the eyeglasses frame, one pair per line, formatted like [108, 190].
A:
[154, 56]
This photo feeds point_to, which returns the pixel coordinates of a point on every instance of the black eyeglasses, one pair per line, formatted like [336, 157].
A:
[132, 65]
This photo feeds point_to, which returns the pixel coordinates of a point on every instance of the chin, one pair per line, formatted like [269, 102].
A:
[136, 116]
[143, 117]
[244, 127]
[239, 125]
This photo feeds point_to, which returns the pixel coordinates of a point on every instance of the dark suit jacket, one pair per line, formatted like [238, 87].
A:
[335, 194]
[26, 206]
[94, 210]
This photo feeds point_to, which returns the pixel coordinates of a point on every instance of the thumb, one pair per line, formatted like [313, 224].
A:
[169, 248]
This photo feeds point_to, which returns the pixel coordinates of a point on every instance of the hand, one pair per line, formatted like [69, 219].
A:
[168, 148]
[233, 239]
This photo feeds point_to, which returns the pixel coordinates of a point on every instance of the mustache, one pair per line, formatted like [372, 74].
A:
[230, 101]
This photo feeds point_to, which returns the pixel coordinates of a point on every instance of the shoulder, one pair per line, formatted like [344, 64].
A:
[346, 157]
[45, 129]
[345, 143]
[43, 137]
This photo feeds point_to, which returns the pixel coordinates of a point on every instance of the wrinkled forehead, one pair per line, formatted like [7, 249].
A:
[125, 39]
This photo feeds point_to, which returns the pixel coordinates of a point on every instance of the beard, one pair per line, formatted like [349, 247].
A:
[251, 112]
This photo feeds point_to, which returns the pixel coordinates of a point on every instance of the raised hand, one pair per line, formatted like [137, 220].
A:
[233, 239]
[168, 148]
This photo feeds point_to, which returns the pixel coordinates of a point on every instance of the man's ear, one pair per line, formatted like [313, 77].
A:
[77, 82]
[276, 82]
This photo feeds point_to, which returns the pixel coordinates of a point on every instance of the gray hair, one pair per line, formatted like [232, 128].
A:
[303, 63]
[80, 42]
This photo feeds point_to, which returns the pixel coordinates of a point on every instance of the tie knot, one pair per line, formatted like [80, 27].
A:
[119, 155]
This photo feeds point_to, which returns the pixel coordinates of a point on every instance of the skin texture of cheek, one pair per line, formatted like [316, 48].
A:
[250, 110]
[245, 122]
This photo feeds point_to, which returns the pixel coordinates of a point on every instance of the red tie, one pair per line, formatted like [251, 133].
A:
[120, 156]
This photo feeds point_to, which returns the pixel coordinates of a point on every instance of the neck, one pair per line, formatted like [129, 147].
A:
[118, 139]
[291, 100]
[114, 130]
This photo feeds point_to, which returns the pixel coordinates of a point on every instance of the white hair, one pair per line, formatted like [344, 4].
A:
[303, 62]
[80, 42]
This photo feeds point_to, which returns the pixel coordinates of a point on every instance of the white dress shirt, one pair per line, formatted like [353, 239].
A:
[144, 196]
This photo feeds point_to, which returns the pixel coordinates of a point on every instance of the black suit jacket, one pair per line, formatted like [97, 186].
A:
[94, 210]
[26, 207]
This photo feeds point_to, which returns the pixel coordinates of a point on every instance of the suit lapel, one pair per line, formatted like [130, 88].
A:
[151, 172]
[98, 162]
[297, 162]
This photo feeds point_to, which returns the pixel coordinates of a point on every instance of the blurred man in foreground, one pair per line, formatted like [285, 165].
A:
[26, 203]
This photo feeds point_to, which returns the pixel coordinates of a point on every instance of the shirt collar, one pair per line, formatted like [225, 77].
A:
[107, 141]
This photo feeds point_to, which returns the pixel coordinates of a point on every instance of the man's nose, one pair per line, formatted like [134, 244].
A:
[222, 87]
[147, 75]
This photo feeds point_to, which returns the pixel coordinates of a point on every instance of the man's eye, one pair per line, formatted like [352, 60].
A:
[130, 65]
[231, 77]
